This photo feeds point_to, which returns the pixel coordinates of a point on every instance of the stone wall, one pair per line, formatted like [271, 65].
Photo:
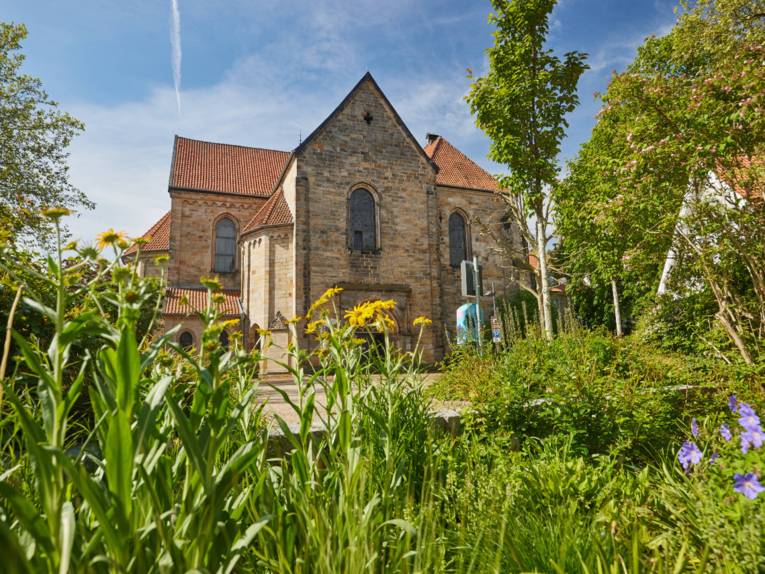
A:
[484, 213]
[148, 266]
[363, 145]
[267, 277]
[192, 324]
[192, 233]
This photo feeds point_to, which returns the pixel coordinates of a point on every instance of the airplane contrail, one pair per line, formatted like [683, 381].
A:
[175, 49]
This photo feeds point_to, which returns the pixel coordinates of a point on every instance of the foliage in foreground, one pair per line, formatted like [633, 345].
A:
[176, 473]
[616, 396]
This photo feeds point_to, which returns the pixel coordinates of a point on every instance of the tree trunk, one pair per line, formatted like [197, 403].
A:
[735, 337]
[544, 283]
[617, 308]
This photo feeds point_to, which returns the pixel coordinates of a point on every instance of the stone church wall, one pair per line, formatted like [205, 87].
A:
[350, 151]
[484, 213]
[267, 276]
[192, 233]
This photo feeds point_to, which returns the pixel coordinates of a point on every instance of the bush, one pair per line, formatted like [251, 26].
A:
[616, 396]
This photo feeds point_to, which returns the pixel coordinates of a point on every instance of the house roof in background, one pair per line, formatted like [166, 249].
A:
[455, 169]
[183, 301]
[158, 236]
[224, 168]
[274, 212]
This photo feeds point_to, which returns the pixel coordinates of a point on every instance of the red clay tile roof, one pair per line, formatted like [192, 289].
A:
[456, 169]
[205, 166]
[196, 302]
[158, 235]
[274, 212]
[748, 172]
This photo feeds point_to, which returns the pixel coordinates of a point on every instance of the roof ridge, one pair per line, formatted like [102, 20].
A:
[460, 176]
[232, 145]
[199, 288]
[266, 209]
[439, 139]
[150, 233]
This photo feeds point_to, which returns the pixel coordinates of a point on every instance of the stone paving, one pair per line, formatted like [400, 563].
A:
[271, 393]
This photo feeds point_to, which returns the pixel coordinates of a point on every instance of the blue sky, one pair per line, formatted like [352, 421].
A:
[261, 72]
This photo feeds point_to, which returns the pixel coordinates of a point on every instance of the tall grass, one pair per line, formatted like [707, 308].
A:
[170, 469]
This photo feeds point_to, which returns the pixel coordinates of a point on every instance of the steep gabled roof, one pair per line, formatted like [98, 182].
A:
[366, 78]
[455, 169]
[158, 235]
[274, 212]
[224, 168]
[182, 301]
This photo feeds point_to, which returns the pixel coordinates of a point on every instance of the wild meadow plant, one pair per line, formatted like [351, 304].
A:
[152, 484]
[133, 454]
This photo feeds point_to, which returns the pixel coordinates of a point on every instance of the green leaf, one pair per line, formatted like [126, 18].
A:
[66, 536]
[11, 551]
[118, 458]
[28, 516]
[188, 438]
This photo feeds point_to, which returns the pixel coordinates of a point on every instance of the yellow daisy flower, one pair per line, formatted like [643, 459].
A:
[109, 237]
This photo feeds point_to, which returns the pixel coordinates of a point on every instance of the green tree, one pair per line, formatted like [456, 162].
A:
[684, 125]
[521, 104]
[615, 237]
[34, 137]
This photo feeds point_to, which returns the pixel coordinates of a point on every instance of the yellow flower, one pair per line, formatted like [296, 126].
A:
[109, 237]
[312, 326]
[71, 246]
[371, 313]
[296, 319]
[423, 321]
[160, 259]
[56, 213]
[211, 283]
[323, 300]
[264, 332]
[218, 298]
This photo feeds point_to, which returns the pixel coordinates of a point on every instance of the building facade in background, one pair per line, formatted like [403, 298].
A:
[360, 205]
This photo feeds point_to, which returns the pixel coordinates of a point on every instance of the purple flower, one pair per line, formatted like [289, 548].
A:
[752, 437]
[749, 419]
[747, 484]
[689, 454]
[714, 457]
[725, 432]
[732, 404]
[694, 428]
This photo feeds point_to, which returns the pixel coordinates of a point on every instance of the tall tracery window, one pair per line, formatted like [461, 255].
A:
[362, 221]
[458, 243]
[225, 245]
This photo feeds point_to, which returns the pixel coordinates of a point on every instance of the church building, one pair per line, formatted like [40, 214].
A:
[359, 204]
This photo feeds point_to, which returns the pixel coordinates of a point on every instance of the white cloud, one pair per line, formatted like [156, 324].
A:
[122, 161]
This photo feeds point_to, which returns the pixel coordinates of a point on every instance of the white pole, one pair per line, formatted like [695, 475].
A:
[477, 299]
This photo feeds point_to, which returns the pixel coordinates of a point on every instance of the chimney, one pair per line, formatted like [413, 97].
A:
[431, 137]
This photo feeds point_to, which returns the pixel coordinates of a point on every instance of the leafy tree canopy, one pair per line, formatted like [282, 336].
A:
[34, 137]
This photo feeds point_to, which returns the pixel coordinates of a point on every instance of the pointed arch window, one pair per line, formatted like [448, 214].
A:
[362, 221]
[458, 241]
[225, 246]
